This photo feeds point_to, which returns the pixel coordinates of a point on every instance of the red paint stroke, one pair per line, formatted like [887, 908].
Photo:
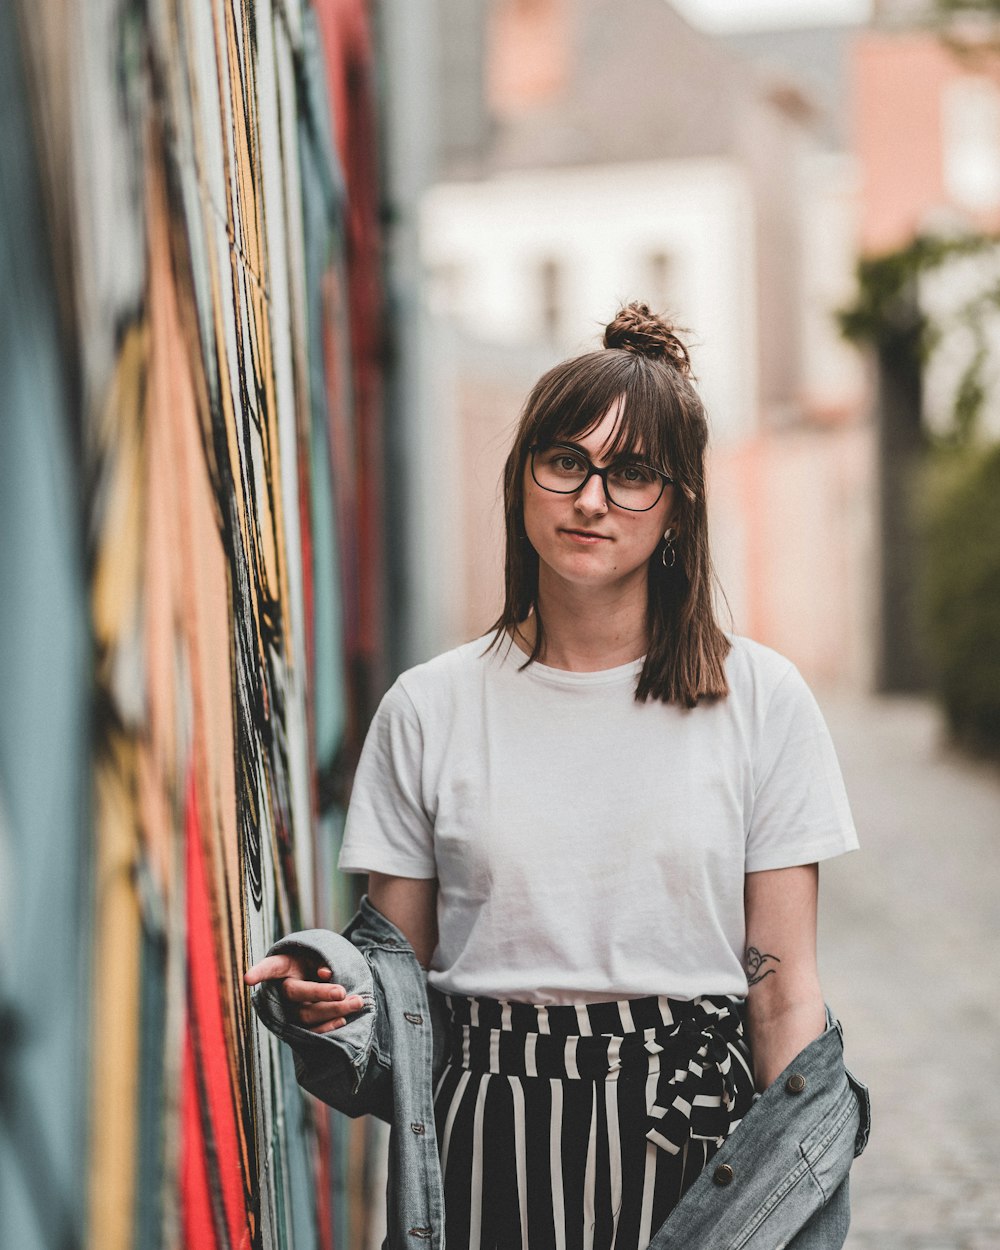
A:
[348, 52]
[196, 1201]
[214, 1193]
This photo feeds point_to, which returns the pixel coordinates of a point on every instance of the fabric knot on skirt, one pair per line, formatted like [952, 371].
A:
[691, 1053]
[702, 1091]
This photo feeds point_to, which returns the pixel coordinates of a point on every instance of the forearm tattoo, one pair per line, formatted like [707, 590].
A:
[756, 962]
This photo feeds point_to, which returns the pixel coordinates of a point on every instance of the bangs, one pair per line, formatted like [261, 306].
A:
[659, 419]
[648, 409]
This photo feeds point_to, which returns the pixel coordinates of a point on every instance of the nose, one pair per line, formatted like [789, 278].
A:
[591, 498]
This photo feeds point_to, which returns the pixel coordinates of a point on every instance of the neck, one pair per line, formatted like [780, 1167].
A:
[587, 631]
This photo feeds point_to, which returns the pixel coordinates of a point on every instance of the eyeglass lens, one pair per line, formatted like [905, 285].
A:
[629, 484]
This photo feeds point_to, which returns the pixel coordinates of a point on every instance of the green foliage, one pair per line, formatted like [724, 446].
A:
[968, 28]
[887, 314]
[967, 8]
[960, 591]
[886, 305]
[885, 309]
[970, 396]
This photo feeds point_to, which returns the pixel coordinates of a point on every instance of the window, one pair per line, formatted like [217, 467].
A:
[446, 289]
[551, 281]
[658, 281]
[971, 143]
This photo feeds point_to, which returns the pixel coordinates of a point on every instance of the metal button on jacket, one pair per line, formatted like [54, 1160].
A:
[796, 1083]
[723, 1174]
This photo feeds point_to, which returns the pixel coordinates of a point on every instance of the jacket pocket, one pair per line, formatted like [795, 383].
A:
[864, 1111]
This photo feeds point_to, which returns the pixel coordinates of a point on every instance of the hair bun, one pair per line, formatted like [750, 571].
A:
[638, 330]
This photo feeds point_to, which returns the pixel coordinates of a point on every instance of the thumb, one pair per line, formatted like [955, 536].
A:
[273, 968]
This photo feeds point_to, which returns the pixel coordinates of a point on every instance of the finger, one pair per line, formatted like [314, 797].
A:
[298, 991]
[327, 1008]
[328, 1028]
[320, 1013]
[271, 968]
[324, 974]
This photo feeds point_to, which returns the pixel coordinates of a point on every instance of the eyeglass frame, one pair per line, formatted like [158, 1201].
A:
[593, 470]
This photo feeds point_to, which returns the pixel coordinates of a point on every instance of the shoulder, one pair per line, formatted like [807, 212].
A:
[757, 672]
[773, 700]
[438, 682]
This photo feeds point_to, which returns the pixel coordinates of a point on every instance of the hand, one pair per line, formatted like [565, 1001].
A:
[312, 999]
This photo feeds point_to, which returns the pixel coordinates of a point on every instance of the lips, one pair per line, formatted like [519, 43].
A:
[589, 536]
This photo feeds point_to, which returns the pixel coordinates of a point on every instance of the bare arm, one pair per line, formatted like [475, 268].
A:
[411, 905]
[785, 1003]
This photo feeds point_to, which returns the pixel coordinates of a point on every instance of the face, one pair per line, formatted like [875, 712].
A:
[582, 538]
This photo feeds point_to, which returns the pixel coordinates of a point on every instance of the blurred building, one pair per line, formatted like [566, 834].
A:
[927, 121]
[624, 154]
[928, 137]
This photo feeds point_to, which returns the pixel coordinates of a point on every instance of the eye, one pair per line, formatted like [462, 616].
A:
[634, 474]
[562, 460]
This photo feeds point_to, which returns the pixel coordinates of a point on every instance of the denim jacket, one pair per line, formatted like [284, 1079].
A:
[780, 1180]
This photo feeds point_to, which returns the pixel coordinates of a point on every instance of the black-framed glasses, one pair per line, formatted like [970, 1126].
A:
[628, 483]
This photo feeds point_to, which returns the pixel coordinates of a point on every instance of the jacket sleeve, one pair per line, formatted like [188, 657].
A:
[827, 1228]
[349, 1068]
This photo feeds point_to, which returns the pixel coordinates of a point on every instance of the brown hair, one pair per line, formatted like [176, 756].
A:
[647, 366]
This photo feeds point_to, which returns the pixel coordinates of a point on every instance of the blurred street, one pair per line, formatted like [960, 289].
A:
[275, 281]
[910, 948]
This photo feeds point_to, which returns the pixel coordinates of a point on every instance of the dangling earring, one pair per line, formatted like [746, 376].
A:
[669, 544]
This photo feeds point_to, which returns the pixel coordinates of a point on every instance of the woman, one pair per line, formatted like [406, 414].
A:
[599, 830]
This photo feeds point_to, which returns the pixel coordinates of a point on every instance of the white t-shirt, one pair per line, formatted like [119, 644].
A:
[589, 847]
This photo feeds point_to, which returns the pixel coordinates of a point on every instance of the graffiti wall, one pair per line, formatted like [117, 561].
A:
[190, 494]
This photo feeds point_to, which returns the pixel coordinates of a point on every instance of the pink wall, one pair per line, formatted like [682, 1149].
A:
[793, 531]
[529, 53]
[900, 79]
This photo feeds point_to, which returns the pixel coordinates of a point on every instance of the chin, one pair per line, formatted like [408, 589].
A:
[585, 569]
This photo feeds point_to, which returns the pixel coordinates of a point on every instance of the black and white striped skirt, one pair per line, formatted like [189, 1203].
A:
[580, 1127]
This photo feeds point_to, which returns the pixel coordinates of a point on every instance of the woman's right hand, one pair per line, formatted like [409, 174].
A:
[312, 999]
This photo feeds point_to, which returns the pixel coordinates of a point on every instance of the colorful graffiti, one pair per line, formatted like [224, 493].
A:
[191, 356]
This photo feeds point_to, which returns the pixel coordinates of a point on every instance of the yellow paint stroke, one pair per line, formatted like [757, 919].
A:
[116, 605]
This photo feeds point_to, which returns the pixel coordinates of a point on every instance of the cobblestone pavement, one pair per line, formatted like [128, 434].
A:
[910, 960]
